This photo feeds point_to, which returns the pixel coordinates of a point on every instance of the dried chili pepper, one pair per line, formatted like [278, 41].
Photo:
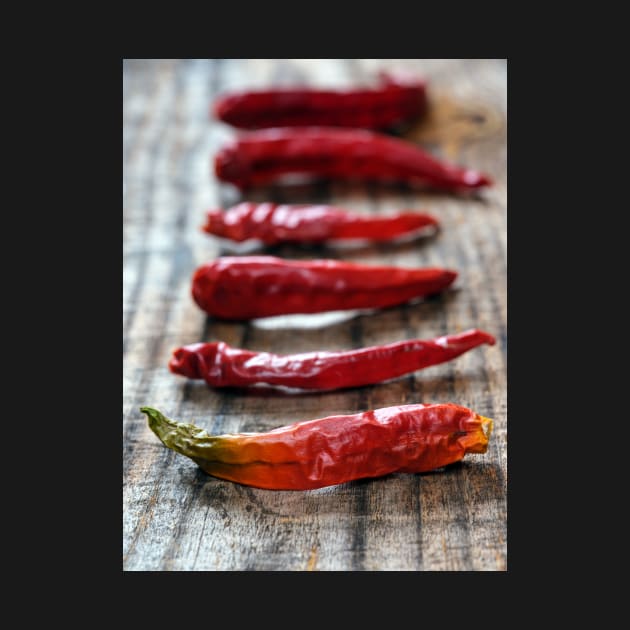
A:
[220, 365]
[332, 450]
[272, 224]
[396, 100]
[264, 157]
[246, 287]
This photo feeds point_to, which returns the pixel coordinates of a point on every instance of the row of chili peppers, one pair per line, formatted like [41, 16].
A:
[316, 453]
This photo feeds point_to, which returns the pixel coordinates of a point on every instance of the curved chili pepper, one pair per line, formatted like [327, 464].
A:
[247, 287]
[220, 365]
[272, 224]
[395, 101]
[332, 450]
[264, 157]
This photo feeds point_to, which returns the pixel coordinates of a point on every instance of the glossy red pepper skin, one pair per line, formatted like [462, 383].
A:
[332, 450]
[265, 157]
[220, 365]
[247, 287]
[273, 224]
[393, 102]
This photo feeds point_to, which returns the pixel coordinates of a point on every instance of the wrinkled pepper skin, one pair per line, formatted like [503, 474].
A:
[220, 365]
[264, 157]
[332, 450]
[395, 101]
[248, 287]
[273, 223]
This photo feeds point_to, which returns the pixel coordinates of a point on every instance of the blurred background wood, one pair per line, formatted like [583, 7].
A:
[176, 517]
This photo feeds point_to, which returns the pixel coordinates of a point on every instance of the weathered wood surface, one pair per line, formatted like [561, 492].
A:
[175, 517]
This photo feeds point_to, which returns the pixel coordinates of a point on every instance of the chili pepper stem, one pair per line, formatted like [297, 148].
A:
[184, 438]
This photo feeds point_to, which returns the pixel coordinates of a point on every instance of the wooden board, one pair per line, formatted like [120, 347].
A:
[175, 517]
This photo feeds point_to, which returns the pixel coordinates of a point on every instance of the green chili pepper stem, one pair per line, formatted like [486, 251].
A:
[186, 439]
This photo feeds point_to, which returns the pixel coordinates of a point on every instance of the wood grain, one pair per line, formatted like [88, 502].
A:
[176, 517]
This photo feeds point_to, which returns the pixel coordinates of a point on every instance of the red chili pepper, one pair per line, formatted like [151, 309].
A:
[220, 365]
[264, 157]
[246, 287]
[272, 224]
[332, 450]
[395, 101]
